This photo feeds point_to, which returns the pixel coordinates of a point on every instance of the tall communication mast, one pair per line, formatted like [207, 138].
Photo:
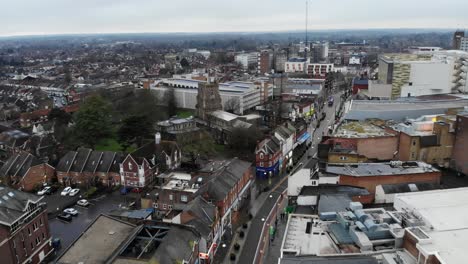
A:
[306, 29]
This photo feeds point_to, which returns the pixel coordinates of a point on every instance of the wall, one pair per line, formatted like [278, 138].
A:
[459, 156]
[370, 182]
[428, 78]
[381, 148]
[297, 181]
[35, 175]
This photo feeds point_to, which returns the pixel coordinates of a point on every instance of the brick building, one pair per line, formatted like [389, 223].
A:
[265, 59]
[26, 172]
[459, 155]
[429, 139]
[87, 166]
[370, 175]
[24, 228]
[372, 141]
[268, 157]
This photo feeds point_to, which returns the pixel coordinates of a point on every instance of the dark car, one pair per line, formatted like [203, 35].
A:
[52, 190]
[65, 217]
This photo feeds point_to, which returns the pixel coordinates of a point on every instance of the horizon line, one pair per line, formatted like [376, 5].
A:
[223, 32]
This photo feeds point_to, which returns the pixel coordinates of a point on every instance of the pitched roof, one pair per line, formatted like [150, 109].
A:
[14, 203]
[18, 164]
[224, 179]
[80, 160]
[204, 213]
[106, 161]
[66, 162]
[93, 161]
[176, 245]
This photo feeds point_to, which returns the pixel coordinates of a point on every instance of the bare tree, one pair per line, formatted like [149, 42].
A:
[232, 105]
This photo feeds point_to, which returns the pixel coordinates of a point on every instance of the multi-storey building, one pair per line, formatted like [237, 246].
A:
[247, 59]
[409, 75]
[24, 228]
[268, 157]
[265, 59]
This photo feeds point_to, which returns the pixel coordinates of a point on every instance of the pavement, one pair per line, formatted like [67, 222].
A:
[263, 206]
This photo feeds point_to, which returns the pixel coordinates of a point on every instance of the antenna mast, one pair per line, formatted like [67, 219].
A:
[306, 31]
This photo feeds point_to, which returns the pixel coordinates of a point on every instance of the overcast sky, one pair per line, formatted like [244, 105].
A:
[26, 17]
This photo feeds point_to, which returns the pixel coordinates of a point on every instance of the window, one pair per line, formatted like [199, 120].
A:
[343, 158]
[412, 155]
[38, 240]
[171, 197]
[414, 142]
[130, 166]
[32, 245]
[261, 164]
[410, 84]
[170, 207]
[261, 155]
[183, 198]
[29, 230]
[164, 206]
[43, 236]
[155, 205]
[40, 221]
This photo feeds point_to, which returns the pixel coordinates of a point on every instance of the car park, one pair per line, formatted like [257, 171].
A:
[66, 191]
[65, 217]
[83, 202]
[70, 211]
[46, 190]
[73, 192]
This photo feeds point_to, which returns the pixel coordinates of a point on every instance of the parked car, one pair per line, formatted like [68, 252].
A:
[124, 190]
[137, 190]
[44, 191]
[64, 217]
[66, 191]
[73, 192]
[70, 211]
[83, 202]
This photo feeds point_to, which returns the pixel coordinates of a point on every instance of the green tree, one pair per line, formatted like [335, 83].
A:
[93, 121]
[134, 129]
[61, 120]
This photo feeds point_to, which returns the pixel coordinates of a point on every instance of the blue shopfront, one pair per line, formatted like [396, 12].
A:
[266, 172]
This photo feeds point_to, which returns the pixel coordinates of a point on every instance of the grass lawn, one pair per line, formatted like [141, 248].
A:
[108, 144]
[185, 113]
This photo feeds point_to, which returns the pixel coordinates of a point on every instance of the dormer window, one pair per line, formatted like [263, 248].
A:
[130, 166]
[261, 155]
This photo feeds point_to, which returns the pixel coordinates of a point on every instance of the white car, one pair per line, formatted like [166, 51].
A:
[70, 211]
[66, 191]
[73, 192]
[44, 191]
[83, 202]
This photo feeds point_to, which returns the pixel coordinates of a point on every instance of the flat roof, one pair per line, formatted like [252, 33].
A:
[360, 129]
[297, 241]
[442, 209]
[99, 241]
[224, 115]
[445, 213]
[377, 169]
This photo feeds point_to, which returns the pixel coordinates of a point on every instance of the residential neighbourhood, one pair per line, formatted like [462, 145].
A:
[232, 144]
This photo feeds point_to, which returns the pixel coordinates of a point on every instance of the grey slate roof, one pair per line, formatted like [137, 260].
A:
[223, 180]
[13, 204]
[80, 159]
[106, 161]
[204, 214]
[93, 161]
[66, 162]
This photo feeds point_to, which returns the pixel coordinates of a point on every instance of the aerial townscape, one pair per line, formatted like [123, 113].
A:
[284, 136]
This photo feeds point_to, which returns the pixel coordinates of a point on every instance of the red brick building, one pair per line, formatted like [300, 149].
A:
[264, 62]
[24, 228]
[86, 166]
[25, 172]
[136, 172]
[460, 148]
[267, 157]
[369, 175]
